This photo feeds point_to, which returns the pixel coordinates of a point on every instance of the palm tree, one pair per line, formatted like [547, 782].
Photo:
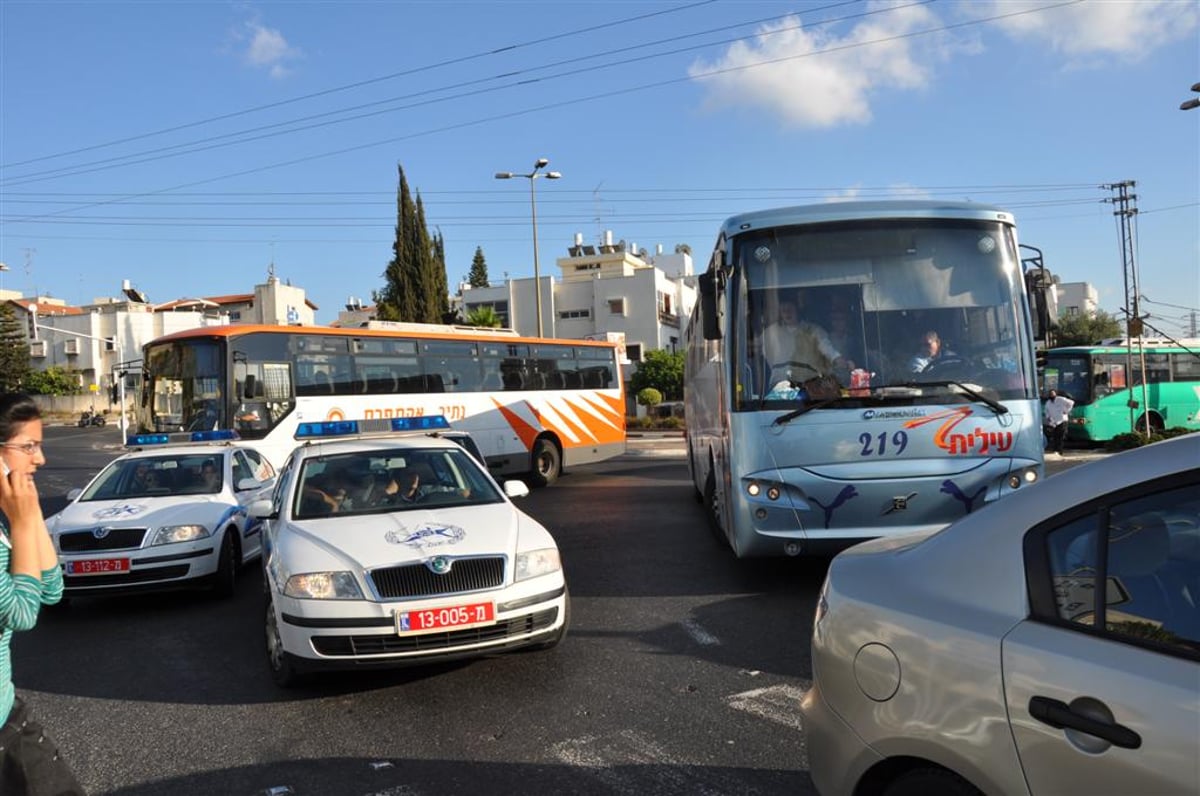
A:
[484, 316]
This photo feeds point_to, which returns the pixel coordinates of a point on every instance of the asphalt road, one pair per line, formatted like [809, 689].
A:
[681, 673]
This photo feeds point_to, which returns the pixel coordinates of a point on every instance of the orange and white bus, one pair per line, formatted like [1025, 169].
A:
[533, 405]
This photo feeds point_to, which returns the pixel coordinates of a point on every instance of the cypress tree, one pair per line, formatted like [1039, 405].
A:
[415, 280]
[14, 350]
[397, 300]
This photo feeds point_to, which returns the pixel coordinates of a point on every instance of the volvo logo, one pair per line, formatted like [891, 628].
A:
[439, 565]
[100, 533]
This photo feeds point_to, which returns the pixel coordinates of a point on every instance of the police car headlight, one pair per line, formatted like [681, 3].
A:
[170, 534]
[323, 586]
[533, 563]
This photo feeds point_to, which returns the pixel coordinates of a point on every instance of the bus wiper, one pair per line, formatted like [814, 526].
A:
[792, 415]
[994, 405]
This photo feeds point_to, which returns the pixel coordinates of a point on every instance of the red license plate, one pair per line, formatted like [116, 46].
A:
[455, 616]
[98, 566]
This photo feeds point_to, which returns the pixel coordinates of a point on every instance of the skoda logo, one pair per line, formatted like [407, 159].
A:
[439, 565]
[100, 533]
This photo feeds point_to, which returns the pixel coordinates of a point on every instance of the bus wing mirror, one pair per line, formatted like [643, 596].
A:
[249, 391]
[709, 306]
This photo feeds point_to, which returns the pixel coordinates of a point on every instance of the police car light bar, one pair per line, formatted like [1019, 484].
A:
[330, 429]
[181, 438]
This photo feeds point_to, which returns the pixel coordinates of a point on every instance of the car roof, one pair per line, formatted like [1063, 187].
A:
[312, 448]
[158, 451]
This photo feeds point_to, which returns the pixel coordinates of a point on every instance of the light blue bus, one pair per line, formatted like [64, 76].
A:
[848, 424]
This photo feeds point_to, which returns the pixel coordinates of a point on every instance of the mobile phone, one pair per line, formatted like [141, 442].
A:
[4, 465]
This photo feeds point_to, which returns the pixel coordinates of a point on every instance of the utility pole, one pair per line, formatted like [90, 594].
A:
[1126, 203]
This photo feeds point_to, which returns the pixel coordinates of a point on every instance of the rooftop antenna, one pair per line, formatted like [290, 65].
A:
[29, 253]
[599, 221]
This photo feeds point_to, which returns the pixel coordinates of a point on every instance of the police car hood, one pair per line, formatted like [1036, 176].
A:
[142, 512]
[372, 540]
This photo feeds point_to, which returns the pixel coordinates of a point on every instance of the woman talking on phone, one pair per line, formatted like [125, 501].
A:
[30, 577]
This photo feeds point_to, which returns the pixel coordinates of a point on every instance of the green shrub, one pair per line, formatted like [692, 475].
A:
[1136, 439]
[648, 396]
[671, 422]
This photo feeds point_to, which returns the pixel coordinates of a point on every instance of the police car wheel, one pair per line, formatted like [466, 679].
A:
[225, 580]
[283, 668]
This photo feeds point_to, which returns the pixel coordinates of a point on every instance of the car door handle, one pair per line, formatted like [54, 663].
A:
[1059, 715]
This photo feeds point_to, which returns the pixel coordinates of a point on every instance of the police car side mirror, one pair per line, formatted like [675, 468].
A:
[247, 483]
[261, 510]
[516, 489]
[74, 493]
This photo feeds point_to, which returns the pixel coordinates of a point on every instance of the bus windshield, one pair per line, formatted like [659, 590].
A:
[182, 387]
[892, 311]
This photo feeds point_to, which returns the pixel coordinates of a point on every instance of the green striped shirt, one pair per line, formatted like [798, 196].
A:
[21, 597]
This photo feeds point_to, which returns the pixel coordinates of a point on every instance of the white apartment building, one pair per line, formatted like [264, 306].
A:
[96, 338]
[1077, 298]
[604, 289]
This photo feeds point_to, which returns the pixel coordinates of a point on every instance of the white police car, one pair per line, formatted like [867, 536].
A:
[392, 548]
[170, 513]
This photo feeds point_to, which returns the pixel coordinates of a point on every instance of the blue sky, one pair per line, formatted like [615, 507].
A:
[184, 146]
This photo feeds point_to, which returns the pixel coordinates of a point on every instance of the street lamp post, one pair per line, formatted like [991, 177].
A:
[1192, 103]
[532, 177]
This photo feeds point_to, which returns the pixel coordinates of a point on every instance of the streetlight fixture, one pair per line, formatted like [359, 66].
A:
[532, 177]
[1194, 102]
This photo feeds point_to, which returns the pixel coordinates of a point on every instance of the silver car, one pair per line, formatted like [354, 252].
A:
[979, 659]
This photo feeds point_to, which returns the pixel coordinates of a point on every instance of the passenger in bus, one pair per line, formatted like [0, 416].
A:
[789, 339]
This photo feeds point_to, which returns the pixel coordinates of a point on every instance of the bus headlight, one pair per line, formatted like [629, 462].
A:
[771, 490]
[1027, 476]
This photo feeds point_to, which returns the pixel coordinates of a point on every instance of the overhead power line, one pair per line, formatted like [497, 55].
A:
[549, 106]
[367, 82]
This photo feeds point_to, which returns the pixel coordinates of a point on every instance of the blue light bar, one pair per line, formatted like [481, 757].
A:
[181, 438]
[216, 435]
[329, 428]
[147, 439]
[350, 428]
[425, 423]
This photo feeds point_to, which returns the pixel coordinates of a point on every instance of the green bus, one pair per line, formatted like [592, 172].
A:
[1112, 395]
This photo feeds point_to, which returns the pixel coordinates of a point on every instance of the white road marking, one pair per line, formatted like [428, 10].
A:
[699, 634]
[777, 703]
[631, 763]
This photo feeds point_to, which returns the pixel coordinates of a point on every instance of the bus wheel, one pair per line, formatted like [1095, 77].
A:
[696, 493]
[547, 462]
[1156, 423]
[712, 506]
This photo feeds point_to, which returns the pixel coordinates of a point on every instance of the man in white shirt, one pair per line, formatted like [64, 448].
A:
[790, 339]
[1056, 412]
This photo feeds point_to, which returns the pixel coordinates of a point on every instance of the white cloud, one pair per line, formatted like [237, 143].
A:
[1084, 32]
[834, 87]
[898, 190]
[265, 48]
[815, 76]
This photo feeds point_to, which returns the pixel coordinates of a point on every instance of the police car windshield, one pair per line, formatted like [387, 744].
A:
[157, 476]
[378, 481]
